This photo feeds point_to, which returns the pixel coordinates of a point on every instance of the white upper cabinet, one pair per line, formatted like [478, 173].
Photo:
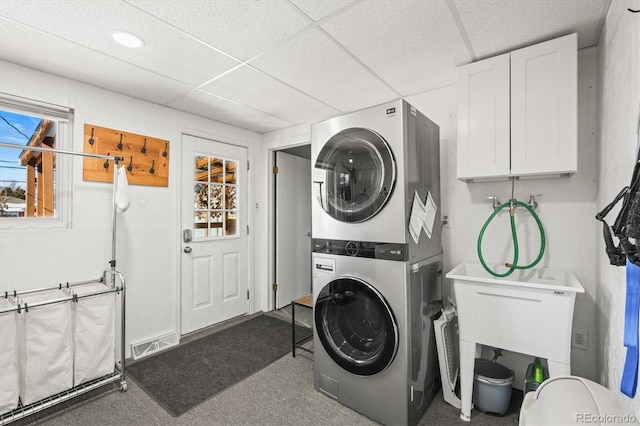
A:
[483, 118]
[517, 113]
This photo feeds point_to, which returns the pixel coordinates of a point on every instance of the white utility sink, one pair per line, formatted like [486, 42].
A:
[530, 311]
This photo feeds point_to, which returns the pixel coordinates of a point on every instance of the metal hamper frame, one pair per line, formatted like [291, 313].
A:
[119, 369]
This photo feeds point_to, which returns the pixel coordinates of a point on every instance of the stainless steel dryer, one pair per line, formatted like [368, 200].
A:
[375, 287]
[367, 166]
[374, 342]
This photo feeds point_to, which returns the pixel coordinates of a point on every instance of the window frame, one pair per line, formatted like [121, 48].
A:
[63, 117]
[224, 210]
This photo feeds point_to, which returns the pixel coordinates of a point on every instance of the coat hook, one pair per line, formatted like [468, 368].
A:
[120, 144]
[152, 170]
[106, 162]
[144, 147]
[130, 166]
[91, 140]
[165, 153]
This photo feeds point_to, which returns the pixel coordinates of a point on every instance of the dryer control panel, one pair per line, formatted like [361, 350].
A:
[372, 250]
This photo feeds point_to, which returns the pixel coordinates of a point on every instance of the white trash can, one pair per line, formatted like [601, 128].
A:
[45, 351]
[93, 333]
[9, 391]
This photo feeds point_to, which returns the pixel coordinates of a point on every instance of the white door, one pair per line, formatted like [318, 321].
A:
[214, 237]
[293, 228]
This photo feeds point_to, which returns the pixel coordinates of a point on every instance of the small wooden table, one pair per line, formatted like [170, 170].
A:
[306, 301]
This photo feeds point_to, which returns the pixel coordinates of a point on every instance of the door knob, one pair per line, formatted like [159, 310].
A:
[187, 249]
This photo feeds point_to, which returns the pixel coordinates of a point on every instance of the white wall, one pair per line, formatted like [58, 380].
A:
[566, 209]
[148, 233]
[618, 101]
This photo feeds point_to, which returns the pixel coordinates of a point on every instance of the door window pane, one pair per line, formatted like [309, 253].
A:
[230, 223]
[201, 198]
[216, 197]
[216, 224]
[201, 169]
[230, 172]
[217, 170]
[201, 228]
[230, 197]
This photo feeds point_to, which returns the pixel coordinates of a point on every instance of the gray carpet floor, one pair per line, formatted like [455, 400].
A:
[280, 394]
[184, 376]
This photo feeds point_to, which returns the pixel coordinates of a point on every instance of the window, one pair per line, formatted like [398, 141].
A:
[215, 197]
[32, 182]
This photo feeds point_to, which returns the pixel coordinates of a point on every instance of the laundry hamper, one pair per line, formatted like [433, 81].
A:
[8, 358]
[45, 356]
[93, 333]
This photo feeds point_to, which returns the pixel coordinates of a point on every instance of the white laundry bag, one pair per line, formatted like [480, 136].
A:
[93, 333]
[9, 390]
[45, 355]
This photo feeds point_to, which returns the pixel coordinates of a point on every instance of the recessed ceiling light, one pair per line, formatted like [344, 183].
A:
[127, 39]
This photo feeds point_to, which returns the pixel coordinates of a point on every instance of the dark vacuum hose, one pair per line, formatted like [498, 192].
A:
[514, 264]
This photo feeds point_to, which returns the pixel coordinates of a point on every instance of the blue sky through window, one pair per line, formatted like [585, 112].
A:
[23, 128]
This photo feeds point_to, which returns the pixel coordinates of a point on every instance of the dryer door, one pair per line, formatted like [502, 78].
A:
[354, 175]
[356, 326]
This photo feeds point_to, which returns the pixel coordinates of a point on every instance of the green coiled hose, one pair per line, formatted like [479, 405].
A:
[513, 265]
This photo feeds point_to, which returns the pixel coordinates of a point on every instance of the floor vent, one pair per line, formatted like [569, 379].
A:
[142, 349]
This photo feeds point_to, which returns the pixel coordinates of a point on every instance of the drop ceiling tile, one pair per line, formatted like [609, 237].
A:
[167, 51]
[315, 65]
[242, 28]
[413, 48]
[498, 26]
[317, 9]
[206, 105]
[26, 47]
[257, 90]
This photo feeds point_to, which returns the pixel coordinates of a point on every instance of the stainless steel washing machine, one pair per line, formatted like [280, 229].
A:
[374, 343]
[375, 285]
[367, 166]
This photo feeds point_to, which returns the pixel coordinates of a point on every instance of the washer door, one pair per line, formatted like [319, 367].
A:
[356, 326]
[354, 175]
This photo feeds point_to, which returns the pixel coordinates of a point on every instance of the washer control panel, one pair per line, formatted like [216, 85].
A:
[371, 250]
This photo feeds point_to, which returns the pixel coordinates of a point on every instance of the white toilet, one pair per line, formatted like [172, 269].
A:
[571, 400]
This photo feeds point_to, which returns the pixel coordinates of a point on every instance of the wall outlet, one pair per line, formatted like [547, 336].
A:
[580, 339]
[446, 221]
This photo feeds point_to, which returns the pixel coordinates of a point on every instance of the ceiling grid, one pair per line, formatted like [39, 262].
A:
[264, 65]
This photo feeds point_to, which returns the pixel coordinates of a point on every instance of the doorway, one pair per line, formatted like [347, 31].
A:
[214, 217]
[292, 224]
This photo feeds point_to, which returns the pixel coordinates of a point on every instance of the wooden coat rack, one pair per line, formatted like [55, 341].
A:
[146, 159]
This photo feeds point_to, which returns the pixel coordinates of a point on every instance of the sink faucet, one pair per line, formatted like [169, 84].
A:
[494, 202]
[532, 200]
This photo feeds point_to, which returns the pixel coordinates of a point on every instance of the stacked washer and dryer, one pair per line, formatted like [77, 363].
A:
[376, 289]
